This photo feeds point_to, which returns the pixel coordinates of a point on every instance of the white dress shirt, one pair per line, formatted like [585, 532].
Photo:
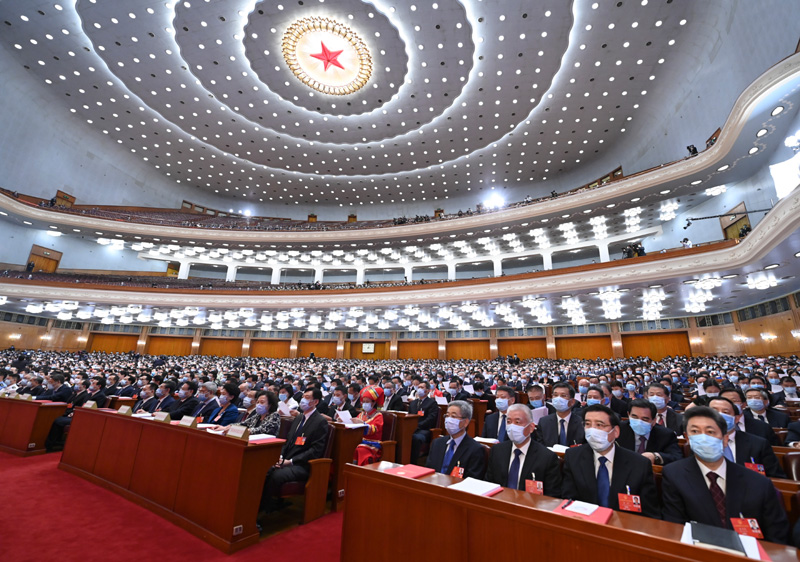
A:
[524, 449]
[721, 472]
[609, 462]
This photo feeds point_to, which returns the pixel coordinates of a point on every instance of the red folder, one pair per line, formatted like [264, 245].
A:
[600, 515]
[410, 471]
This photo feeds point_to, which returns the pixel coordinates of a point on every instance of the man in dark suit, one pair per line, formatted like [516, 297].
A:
[79, 397]
[56, 391]
[164, 395]
[33, 386]
[743, 448]
[480, 393]
[758, 404]
[339, 401]
[665, 416]
[641, 434]
[206, 401]
[97, 393]
[455, 390]
[147, 399]
[494, 425]
[709, 489]
[565, 427]
[393, 398]
[306, 440]
[789, 391]
[186, 403]
[428, 410]
[533, 460]
[127, 389]
[112, 385]
[600, 471]
[459, 454]
[536, 399]
[748, 424]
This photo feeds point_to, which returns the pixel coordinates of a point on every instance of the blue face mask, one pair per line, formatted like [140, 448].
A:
[304, 405]
[283, 396]
[756, 385]
[538, 403]
[744, 386]
[639, 427]
[387, 392]
[774, 381]
[367, 406]
[583, 389]
[730, 420]
[707, 447]
[617, 393]
[592, 401]
[658, 402]
[202, 397]
[351, 397]
[159, 392]
[561, 404]
[183, 394]
[247, 402]
[337, 400]
[755, 404]
[223, 399]
[502, 404]
[406, 383]
[712, 394]
[261, 409]
[675, 379]
[630, 387]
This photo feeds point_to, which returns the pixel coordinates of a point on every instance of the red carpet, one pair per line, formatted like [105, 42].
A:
[47, 514]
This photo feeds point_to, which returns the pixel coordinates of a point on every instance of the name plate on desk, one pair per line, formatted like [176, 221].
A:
[91, 404]
[188, 421]
[239, 432]
[25, 396]
[162, 417]
[125, 411]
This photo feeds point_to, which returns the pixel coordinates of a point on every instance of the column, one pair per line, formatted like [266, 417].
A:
[183, 272]
[498, 267]
[340, 346]
[547, 259]
[198, 333]
[359, 276]
[493, 348]
[46, 340]
[83, 339]
[230, 276]
[409, 273]
[616, 339]
[141, 345]
[442, 345]
[551, 343]
[451, 272]
[696, 338]
[393, 346]
[293, 345]
[318, 272]
[248, 334]
[276, 276]
[604, 257]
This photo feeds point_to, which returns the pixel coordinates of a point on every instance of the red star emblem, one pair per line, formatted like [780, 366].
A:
[328, 57]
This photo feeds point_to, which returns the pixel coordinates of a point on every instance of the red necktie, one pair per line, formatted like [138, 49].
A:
[719, 498]
[661, 420]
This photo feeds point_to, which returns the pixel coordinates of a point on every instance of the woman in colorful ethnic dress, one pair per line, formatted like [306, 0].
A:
[369, 450]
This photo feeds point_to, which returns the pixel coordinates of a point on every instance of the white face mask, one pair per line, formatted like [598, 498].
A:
[597, 439]
[516, 433]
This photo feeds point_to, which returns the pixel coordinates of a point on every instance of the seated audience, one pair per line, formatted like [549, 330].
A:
[640, 433]
[369, 450]
[457, 454]
[227, 412]
[565, 427]
[428, 412]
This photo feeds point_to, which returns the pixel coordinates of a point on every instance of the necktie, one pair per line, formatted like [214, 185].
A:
[728, 454]
[300, 427]
[661, 420]
[562, 436]
[501, 431]
[603, 483]
[448, 456]
[513, 472]
[762, 418]
[642, 445]
[718, 496]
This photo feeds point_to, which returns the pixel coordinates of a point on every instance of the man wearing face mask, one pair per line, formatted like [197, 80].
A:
[186, 403]
[758, 407]
[789, 391]
[79, 397]
[147, 399]
[428, 411]
[565, 427]
[743, 448]
[709, 489]
[600, 471]
[747, 424]
[207, 402]
[520, 458]
[393, 398]
[640, 434]
[339, 402]
[56, 391]
[536, 399]
[455, 390]
[482, 394]
[665, 416]
[127, 389]
[494, 426]
[164, 396]
[459, 454]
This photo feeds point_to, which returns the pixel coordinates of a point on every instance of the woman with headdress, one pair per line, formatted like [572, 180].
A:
[369, 450]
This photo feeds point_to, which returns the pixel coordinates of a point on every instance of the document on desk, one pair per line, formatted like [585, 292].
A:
[284, 409]
[487, 440]
[441, 400]
[469, 389]
[215, 432]
[538, 413]
[143, 416]
[261, 437]
[344, 416]
[558, 448]
[205, 425]
[477, 487]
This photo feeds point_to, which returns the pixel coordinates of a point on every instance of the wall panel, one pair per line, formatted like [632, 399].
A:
[221, 347]
[584, 347]
[468, 349]
[113, 343]
[165, 345]
[418, 350]
[656, 346]
[780, 325]
[524, 348]
[355, 350]
[318, 348]
[278, 349]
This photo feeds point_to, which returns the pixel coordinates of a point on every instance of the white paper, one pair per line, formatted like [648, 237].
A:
[284, 409]
[475, 486]
[556, 448]
[487, 440]
[792, 399]
[344, 416]
[441, 400]
[796, 379]
[700, 390]
[214, 431]
[205, 425]
[143, 416]
[776, 388]
[471, 390]
[260, 436]
[355, 425]
[538, 413]
[582, 508]
[404, 398]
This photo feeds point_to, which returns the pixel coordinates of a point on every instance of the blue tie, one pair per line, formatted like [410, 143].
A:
[513, 472]
[728, 454]
[448, 456]
[603, 484]
[562, 436]
[501, 432]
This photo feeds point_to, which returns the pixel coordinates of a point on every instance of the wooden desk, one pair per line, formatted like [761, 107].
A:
[345, 441]
[478, 414]
[162, 467]
[410, 507]
[117, 401]
[24, 424]
[406, 426]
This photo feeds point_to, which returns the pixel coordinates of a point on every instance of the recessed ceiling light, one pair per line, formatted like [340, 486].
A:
[730, 276]
[772, 266]
[777, 111]
[635, 199]
[761, 133]
[723, 168]
[753, 150]
[664, 192]
[697, 182]
[797, 255]
[655, 286]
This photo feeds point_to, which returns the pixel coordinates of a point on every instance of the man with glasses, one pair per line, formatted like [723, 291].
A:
[458, 454]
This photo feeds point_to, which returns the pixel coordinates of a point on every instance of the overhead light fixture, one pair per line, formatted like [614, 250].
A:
[768, 337]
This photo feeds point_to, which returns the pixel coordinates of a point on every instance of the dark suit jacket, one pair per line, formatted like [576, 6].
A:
[491, 425]
[686, 497]
[395, 402]
[182, 408]
[229, 416]
[112, 390]
[661, 440]
[204, 410]
[756, 448]
[469, 455]
[99, 397]
[540, 461]
[463, 395]
[673, 420]
[550, 426]
[428, 410]
[147, 405]
[489, 397]
[774, 417]
[127, 392]
[762, 429]
[315, 431]
[61, 394]
[630, 469]
[619, 406]
[165, 405]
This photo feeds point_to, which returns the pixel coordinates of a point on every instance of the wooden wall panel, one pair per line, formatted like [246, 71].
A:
[468, 349]
[780, 325]
[524, 348]
[221, 347]
[656, 346]
[355, 350]
[24, 336]
[278, 349]
[318, 348]
[717, 340]
[165, 345]
[584, 347]
[113, 343]
[418, 350]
